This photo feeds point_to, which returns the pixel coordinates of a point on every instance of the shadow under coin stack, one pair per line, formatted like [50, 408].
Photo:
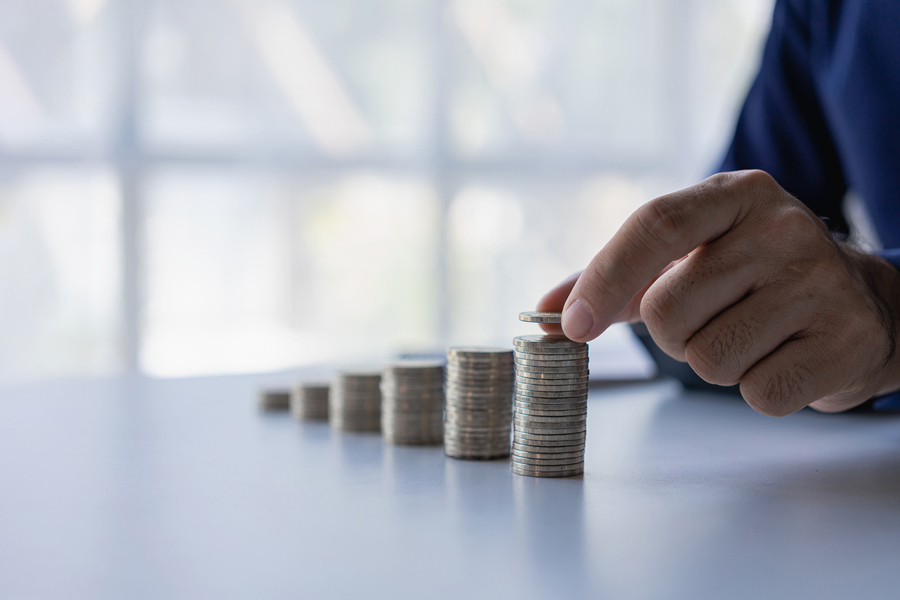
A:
[309, 401]
[479, 402]
[412, 402]
[550, 410]
[354, 401]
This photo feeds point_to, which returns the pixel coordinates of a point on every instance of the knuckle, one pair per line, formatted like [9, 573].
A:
[759, 180]
[717, 354]
[772, 393]
[659, 222]
[658, 309]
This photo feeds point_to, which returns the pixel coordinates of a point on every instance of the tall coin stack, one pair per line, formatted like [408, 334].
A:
[354, 401]
[550, 410]
[412, 402]
[309, 401]
[479, 402]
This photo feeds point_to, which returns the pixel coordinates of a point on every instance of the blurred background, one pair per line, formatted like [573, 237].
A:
[214, 186]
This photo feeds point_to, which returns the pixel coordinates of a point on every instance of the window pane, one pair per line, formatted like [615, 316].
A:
[339, 78]
[254, 270]
[57, 72]
[572, 79]
[59, 310]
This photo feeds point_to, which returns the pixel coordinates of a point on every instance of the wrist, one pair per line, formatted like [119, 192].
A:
[882, 280]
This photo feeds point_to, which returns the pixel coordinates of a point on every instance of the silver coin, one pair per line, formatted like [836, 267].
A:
[546, 470]
[522, 470]
[538, 421]
[568, 447]
[277, 399]
[504, 408]
[524, 454]
[529, 403]
[573, 371]
[555, 398]
[546, 341]
[474, 455]
[534, 351]
[414, 401]
[475, 433]
[522, 430]
[414, 364]
[546, 390]
[532, 362]
[553, 465]
[471, 428]
[495, 445]
[407, 386]
[531, 438]
[549, 462]
[561, 356]
[531, 413]
[457, 394]
[463, 413]
[493, 437]
[478, 352]
[483, 417]
[541, 317]
[487, 360]
[483, 387]
[551, 378]
[525, 387]
[480, 378]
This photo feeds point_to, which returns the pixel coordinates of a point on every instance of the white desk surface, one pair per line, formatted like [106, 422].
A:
[132, 489]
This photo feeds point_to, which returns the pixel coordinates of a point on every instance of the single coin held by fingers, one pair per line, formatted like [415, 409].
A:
[541, 317]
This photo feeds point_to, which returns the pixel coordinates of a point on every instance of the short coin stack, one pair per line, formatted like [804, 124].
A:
[479, 402]
[309, 401]
[412, 402]
[550, 415]
[275, 399]
[354, 401]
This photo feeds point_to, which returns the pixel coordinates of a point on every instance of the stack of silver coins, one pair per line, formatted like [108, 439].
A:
[550, 409]
[275, 399]
[354, 401]
[412, 402]
[479, 402]
[309, 401]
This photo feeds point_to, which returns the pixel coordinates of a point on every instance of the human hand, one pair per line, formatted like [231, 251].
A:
[744, 283]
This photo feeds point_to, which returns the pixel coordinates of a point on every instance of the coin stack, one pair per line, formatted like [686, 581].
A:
[550, 410]
[412, 402]
[354, 401]
[309, 401]
[275, 399]
[479, 402]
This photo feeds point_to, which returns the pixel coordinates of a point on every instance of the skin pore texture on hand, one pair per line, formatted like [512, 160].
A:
[740, 280]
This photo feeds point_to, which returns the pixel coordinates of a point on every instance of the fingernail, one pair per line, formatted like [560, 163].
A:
[577, 321]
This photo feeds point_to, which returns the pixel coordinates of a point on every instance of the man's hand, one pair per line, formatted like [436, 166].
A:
[745, 284]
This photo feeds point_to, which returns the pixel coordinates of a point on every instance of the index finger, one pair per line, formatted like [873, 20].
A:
[659, 232]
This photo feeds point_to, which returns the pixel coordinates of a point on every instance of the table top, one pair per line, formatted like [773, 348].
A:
[135, 488]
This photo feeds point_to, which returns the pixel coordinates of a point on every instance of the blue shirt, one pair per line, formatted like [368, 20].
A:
[823, 115]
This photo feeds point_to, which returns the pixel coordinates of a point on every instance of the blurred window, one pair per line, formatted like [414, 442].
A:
[208, 186]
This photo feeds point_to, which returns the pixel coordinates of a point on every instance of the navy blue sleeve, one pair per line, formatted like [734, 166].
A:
[782, 129]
